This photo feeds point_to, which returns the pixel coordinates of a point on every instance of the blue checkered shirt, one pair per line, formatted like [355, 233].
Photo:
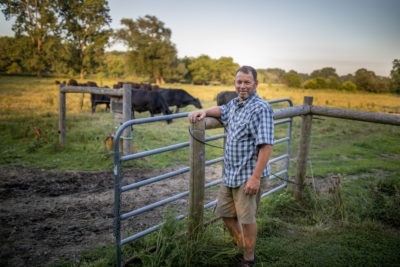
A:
[249, 126]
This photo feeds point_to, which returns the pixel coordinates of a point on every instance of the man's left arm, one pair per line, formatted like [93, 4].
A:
[264, 154]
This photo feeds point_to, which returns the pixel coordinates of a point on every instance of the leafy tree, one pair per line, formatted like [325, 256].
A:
[6, 45]
[16, 54]
[262, 76]
[226, 68]
[38, 21]
[395, 75]
[275, 74]
[333, 82]
[114, 64]
[177, 72]
[292, 79]
[271, 75]
[187, 77]
[349, 86]
[325, 73]
[322, 83]
[201, 69]
[366, 80]
[84, 22]
[310, 84]
[151, 51]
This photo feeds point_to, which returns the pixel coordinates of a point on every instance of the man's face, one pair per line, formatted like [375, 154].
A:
[245, 85]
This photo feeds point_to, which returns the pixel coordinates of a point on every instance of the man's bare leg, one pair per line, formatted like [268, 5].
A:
[234, 229]
[249, 240]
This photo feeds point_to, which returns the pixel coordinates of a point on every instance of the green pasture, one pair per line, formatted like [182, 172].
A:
[29, 126]
[354, 222]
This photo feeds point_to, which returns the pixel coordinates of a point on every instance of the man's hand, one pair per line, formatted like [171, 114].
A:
[252, 186]
[197, 116]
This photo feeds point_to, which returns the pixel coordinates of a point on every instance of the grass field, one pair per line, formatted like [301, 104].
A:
[353, 223]
[29, 116]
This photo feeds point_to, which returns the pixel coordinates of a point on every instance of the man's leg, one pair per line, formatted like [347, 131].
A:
[234, 229]
[249, 240]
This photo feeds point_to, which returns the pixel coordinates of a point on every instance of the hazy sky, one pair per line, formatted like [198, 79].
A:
[303, 35]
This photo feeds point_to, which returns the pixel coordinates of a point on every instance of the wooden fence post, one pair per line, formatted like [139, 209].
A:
[127, 115]
[62, 117]
[304, 147]
[197, 179]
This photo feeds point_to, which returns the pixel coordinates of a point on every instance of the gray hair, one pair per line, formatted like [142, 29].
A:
[247, 70]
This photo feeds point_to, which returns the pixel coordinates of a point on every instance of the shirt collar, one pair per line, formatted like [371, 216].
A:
[244, 103]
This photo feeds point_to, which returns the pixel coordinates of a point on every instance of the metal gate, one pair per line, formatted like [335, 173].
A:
[279, 170]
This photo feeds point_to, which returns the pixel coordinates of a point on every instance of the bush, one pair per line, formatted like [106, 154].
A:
[349, 86]
[310, 84]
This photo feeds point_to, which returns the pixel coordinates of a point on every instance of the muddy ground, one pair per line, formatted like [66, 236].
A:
[48, 215]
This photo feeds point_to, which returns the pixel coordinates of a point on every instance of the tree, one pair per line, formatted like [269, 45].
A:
[114, 64]
[395, 75]
[349, 86]
[366, 80]
[292, 79]
[6, 45]
[177, 72]
[38, 20]
[226, 68]
[325, 73]
[201, 69]
[151, 51]
[310, 84]
[84, 22]
[270, 75]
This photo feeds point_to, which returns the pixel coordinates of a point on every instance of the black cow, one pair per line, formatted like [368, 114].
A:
[179, 98]
[225, 96]
[97, 99]
[72, 82]
[151, 101]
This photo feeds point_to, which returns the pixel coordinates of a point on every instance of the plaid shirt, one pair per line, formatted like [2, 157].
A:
[249, 126]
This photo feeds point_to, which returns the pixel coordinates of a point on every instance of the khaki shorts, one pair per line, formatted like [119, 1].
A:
[234, 203]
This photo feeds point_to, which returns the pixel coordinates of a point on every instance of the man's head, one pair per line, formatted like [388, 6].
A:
[246, 82]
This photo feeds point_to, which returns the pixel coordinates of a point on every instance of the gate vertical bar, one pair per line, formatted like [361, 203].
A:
[304, 147]
[117, 201]
[197, 178]
[62, 116]
[289, 143]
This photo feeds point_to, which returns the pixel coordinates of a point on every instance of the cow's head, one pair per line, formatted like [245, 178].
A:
[168, 112]
[196, 103]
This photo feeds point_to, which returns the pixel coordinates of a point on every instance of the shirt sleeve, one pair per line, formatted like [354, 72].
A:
[264, 129]
[224, 113]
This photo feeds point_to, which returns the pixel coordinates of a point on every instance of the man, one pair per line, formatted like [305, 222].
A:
[247, 152]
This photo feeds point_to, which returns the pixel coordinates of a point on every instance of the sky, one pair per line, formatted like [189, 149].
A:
[300, 35]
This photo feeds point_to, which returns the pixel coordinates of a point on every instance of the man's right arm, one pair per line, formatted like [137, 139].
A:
[201, 114]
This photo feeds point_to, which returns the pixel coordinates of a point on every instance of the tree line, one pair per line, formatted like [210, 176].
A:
[70, 37]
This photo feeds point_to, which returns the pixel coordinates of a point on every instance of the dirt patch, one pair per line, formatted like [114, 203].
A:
[48, 215]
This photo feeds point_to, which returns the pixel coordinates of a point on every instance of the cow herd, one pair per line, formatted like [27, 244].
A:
[152, 98]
